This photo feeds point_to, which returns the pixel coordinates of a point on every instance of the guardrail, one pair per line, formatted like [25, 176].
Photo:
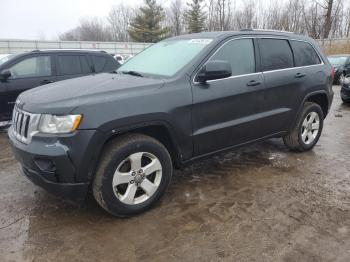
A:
[10, 46]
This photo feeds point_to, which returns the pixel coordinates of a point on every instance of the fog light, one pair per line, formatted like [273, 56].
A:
[45, 165]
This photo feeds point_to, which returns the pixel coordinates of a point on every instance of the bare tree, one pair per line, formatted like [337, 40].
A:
[223, 9]
[316, 18]
[70, 35]
[176, 17]
[245, 17]
[119, 19]
[219, 15]
[328, 18]
[90, 29]
[347, 22]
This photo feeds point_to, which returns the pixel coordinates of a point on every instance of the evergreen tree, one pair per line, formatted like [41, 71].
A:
[146, 26]
[195, 17]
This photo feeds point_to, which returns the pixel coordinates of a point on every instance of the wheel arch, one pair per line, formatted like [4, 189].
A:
[319, 98]
[158, 130]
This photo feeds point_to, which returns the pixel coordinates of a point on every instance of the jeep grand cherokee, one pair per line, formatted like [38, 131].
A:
[180, 100]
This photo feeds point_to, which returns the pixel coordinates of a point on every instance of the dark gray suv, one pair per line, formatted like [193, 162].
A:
[180, 100]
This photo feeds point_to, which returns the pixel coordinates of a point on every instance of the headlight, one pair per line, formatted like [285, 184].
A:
[59, 124]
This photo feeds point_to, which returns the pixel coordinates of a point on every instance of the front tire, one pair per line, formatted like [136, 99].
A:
[307, 129]
[133, 173]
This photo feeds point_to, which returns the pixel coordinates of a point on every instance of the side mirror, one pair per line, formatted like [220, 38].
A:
[5, 74]
[216, 69]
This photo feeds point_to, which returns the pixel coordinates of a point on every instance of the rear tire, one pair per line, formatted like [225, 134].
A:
[307, 129]
[132, 175]
[347, 101]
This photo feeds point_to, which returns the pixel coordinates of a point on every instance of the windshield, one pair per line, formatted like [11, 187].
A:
[5, 58]
[165, 58]
[337, 60]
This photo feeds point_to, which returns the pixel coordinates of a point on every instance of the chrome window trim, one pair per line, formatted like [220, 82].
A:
[290, 68]
[261, 72]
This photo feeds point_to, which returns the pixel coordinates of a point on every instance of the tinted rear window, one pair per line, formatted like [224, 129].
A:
[85, 65]
[304, 54]
[99, 63]
[276, 54]
[69, 65]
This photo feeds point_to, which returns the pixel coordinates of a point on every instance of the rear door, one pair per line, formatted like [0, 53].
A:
[26, 73]
[283, 83]
[291, 68]
[229, 111]
[72, 65]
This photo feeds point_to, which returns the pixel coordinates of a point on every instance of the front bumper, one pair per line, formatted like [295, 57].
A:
[51, 163]
[72, 192]
[345, 92]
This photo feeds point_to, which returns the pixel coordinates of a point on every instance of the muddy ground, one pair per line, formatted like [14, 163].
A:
[260, 203]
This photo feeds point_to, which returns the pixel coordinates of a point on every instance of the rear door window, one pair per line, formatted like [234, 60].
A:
[240, 54]
[99, 63]
[275, 54]
[70, 65]
[85, 65]
[304, 54]
[39, 66]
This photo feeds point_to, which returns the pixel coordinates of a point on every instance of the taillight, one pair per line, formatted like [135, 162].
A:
[333, 72]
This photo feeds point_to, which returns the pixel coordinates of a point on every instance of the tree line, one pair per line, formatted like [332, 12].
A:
[152, 21]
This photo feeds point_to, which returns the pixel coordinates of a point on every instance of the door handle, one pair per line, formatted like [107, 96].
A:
[46, 82]
[254, 83]
[300, 75]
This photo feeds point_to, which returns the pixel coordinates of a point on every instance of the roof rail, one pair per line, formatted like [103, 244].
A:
[266, 30]
[67, 49]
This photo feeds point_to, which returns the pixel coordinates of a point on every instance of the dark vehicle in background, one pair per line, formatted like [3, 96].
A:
[345, 89]
[21, 72]
[180, 100]
[341, 65]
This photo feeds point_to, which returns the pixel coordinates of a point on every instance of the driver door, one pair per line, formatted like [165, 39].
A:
[229, 111]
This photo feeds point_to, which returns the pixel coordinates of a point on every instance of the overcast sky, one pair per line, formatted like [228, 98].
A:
[33, 19]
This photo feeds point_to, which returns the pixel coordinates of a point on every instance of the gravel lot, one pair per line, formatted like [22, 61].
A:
[260, 203]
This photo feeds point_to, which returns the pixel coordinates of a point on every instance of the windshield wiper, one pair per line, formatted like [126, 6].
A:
[133, 73]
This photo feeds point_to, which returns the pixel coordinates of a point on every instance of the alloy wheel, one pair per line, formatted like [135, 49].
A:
[310, 128]
[137, 178]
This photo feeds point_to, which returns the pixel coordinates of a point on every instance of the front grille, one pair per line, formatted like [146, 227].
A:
[24, 125]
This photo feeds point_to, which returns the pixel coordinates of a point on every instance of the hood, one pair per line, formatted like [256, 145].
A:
[62, 97]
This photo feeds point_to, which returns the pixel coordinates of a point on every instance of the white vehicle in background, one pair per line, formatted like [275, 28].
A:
[128, 58]
[120, 59]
